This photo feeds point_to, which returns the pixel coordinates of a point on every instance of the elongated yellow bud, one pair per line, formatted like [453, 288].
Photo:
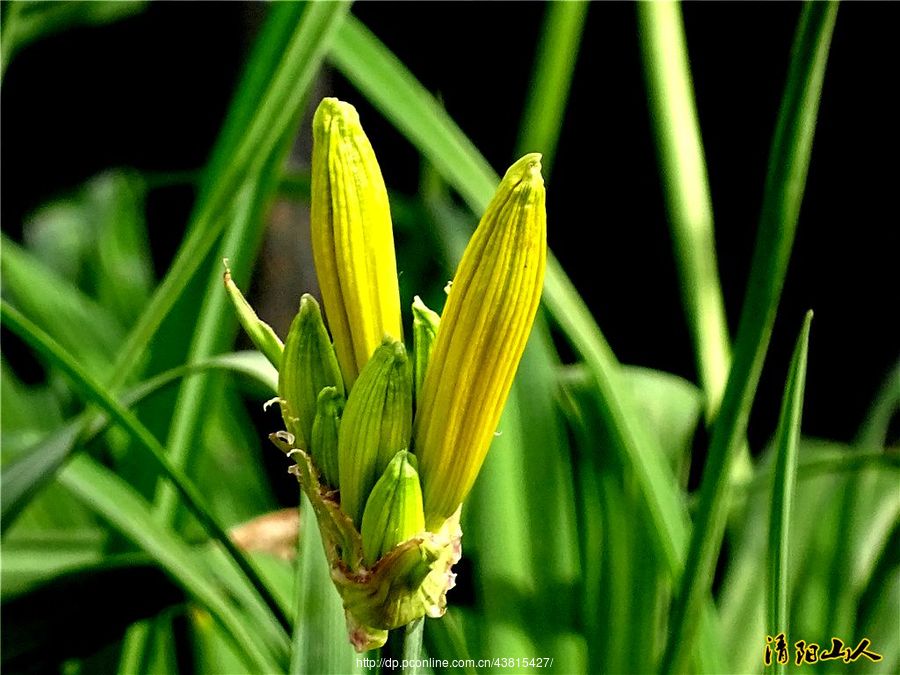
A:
[377, 423]
[259, 332]
[352, 239]
[484, 328]
[425, 328]
[308, 365]
[323, 444]
[394, 511]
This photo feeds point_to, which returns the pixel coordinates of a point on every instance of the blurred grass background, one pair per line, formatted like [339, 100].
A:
[140, 147]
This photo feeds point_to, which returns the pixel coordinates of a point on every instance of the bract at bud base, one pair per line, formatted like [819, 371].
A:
[409, 582]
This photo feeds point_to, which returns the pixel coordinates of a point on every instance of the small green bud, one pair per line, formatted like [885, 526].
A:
[259, 332]
[323, 442]
[307, 366]
[394, 511]
[377, 422]
[425, 328]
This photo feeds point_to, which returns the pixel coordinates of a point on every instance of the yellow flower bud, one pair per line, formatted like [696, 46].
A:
[484, 327]
[352, 239]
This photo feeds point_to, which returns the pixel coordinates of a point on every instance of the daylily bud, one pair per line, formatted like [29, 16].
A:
[376, 424]
[323, 442]
[352, 240]
[394, 509]
[484, 328]
[259, 332]
[307, 366]
[425, 328]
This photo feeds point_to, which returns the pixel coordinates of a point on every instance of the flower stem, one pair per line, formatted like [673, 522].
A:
[403, 649]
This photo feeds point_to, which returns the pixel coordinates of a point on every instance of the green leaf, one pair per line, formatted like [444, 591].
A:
[264, 110]
[40, 632]
[552, 78]
[125, 510]
[24, 476]
[320, 642]
[823, 471]
[784, 479]
[28, 21]
[96, 239]
[783, 193]
[686, 183]
[26, 562]
[445, 639]
[93, 392]
[74, 320]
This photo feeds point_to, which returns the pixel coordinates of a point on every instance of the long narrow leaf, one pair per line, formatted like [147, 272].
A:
[75, 320]
[290, 54]
[786, 440]
[93, 392]
[783, 193]
[320, 639]
[683, 169]
[549, 91]
[112, 498]
[24, 476]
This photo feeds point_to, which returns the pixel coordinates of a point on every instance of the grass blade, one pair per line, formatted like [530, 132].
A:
[27, 22]
[75, 320]
[114, 499]
[786, 441]
[24, 476]
[288, 55]
[306, 43]
[320, 643]
[686, 183]
[93, 392]
[552, 78]
[786, 179]
[214, 330]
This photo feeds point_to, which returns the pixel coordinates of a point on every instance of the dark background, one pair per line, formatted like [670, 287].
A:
[150, 92]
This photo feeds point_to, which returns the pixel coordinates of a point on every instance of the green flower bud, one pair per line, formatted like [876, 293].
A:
[425, 328]
[323, 444]
[259, 332]
[307, 366]
[394, 511]
[376, 424]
